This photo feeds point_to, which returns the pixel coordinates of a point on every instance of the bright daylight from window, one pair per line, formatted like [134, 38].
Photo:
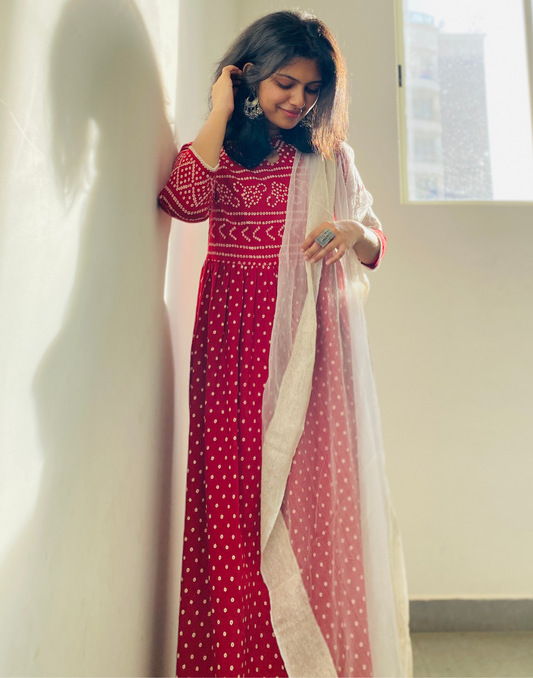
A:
[467, 101]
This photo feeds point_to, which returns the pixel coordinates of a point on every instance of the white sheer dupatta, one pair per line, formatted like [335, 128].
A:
[332, 556]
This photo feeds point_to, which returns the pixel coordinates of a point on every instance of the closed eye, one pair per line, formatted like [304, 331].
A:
[311, 91]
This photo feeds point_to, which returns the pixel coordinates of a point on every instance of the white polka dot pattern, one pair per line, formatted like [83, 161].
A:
[224, 626]
[321, 506]
[225, 612]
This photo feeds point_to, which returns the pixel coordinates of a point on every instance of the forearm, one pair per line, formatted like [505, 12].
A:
[367, 249]
[208, 142]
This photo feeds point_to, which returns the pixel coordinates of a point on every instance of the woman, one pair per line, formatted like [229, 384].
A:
[275, 531]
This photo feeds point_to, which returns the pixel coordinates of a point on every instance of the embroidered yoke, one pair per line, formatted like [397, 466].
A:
[246, 208]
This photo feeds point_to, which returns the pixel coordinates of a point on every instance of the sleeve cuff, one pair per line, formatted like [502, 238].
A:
[208, 167]
[382, 247]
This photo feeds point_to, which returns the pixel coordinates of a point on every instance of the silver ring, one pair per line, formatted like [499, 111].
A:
[325, 237]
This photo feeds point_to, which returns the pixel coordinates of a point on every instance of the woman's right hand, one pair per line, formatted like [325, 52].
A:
[210, 138]
[223, 91]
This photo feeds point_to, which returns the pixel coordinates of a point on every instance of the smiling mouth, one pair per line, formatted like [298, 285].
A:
[292, 114]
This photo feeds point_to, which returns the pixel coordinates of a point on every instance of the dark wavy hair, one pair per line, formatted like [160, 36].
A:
[271, 42]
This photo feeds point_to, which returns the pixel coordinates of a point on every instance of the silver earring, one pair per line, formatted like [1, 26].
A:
[307, 121]
[252, 109]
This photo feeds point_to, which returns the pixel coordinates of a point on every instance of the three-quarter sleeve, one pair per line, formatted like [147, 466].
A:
[373, 222]
[362, 200]
[189, 192]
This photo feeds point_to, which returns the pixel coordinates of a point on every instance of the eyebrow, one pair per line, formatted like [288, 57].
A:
[283, 75]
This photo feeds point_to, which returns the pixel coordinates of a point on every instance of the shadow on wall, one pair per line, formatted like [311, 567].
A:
[84, 590]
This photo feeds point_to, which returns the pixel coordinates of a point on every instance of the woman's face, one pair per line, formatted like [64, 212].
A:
[289, 94]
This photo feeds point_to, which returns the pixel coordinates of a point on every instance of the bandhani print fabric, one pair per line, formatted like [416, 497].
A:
[225, 624]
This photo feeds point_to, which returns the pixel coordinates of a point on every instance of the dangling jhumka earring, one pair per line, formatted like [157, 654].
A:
[252, 109]
[308, 120]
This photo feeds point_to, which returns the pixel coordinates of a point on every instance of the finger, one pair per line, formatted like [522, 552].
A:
[313, 249]
[316, 232]
[309, 240]
[310, 246]
[336, 242]
[339, 254]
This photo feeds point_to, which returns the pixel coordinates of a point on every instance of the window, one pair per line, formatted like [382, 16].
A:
[465, 100]
[422, 108]
[425, 150]
[427, 187]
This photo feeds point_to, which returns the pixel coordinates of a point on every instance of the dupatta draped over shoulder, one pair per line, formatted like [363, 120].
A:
[329, 537]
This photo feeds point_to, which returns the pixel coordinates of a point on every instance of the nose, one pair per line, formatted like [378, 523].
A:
[297, 99]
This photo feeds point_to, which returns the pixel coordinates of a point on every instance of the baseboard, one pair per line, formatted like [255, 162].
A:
[471, 615]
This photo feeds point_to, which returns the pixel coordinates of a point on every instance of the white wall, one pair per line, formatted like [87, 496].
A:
[86, 400]
[450, 319]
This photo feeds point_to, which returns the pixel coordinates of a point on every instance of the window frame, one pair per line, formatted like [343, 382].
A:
[401, 104]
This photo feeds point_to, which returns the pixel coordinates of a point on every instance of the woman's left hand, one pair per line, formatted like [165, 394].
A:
[347, 233]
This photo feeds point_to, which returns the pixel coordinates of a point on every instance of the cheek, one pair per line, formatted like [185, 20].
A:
[272, 96]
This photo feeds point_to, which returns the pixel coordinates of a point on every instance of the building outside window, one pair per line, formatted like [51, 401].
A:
[466, 107]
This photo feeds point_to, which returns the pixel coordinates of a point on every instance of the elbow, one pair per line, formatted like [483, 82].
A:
[168, 203]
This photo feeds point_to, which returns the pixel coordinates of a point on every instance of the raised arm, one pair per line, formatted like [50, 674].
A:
[208, 143]
[189, 192]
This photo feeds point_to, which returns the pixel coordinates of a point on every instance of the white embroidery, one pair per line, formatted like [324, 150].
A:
[247, 256]
[251, 193]
[192, 194]
[178, 211]
[228, 214]
[193, 187]
[273, 237]
[226, 196]
[279, 193]
[244, 247]
[237, 227]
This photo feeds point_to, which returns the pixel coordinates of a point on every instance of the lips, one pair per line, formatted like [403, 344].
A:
[290, 114]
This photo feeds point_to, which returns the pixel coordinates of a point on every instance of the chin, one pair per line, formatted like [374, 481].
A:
[281, 120]
[285, 123]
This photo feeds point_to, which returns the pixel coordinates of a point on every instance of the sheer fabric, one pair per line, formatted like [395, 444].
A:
[331, 550]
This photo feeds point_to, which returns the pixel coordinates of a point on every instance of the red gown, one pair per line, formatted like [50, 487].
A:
[224, 625]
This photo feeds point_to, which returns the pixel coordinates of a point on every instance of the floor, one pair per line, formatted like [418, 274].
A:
[483, 655]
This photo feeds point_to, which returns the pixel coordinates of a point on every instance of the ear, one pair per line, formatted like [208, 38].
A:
[246, 66]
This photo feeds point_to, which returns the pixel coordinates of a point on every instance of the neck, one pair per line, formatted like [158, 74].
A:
[273, 130]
